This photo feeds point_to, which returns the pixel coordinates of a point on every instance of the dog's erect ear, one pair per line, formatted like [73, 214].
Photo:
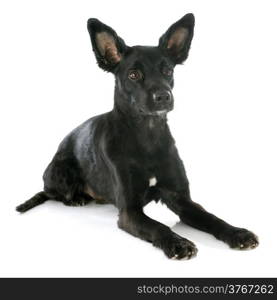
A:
[175, 43]
[106, 44]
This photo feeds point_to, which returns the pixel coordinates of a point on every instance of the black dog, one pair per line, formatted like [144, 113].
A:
[127, 156]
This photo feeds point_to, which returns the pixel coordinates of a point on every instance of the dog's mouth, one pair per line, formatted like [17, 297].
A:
[157, 113]
[160, 112]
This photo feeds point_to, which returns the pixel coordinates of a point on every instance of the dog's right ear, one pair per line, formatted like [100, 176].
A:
[108, 47]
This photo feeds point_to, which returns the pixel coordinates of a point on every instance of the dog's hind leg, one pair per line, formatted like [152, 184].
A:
[80, 199]
[63, 180]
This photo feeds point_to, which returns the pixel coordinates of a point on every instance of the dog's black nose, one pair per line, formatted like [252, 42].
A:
[162, 96]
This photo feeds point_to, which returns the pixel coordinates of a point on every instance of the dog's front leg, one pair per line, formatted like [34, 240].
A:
[135, 222]
[130, 189]
[196, 216]
[175, 194]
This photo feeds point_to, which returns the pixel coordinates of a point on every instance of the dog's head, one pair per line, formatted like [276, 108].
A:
[144, 75]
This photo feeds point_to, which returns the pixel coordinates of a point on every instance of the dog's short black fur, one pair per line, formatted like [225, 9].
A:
[127, 156]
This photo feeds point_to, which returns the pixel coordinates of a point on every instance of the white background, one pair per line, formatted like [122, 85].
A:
[224, 124]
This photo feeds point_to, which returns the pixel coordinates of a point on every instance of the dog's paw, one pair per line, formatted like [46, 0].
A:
[242, 239]
[176, 247]
[76, 202]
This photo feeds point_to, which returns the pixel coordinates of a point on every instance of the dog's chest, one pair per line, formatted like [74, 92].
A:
[152, 181]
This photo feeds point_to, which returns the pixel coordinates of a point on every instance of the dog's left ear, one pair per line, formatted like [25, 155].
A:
[175, 43]
[108, 47]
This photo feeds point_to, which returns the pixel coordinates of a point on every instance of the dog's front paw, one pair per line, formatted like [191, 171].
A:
[242, 239]
[176, 247]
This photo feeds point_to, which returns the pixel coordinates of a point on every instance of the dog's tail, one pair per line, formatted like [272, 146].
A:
[37, 199]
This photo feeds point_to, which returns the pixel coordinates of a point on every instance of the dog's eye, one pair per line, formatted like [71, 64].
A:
[135, 75]
[167, 71]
